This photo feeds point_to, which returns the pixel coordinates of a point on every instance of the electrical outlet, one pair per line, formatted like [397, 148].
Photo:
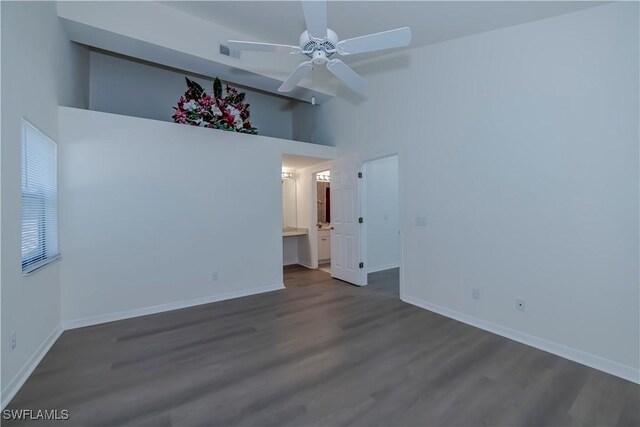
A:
[520, 305]
[475, 293]
[13, 341]
[214, 276]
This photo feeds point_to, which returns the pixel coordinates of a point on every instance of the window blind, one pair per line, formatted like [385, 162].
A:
[39, 199]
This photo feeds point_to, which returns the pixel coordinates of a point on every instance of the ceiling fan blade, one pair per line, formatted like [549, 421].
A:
[347, 75]
[262, 47]
[385, 40]
[315, 15]
[295, 77]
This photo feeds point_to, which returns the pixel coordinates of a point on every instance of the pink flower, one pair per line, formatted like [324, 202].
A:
[206, 101]
[199, 108]
[180, 116]
[228, 119]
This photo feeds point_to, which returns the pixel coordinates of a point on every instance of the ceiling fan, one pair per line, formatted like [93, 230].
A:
[320, 43]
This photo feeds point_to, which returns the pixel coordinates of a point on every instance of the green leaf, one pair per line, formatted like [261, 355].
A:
[217, 88]
[198, 88]
[195, 87]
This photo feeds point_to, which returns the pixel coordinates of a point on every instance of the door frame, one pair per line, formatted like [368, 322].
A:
[313, 229]
[362, 207]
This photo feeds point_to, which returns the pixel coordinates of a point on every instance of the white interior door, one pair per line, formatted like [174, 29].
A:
[345, 236]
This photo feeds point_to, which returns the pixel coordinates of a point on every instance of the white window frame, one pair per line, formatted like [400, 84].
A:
[47, 219]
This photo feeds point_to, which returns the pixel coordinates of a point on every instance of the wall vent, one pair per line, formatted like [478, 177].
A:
[224, 50]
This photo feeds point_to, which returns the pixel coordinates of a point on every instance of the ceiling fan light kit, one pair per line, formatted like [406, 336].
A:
[320, 43]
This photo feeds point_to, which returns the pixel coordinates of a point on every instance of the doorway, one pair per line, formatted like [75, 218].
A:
[299, 209]
[323, 219]
[380, 205]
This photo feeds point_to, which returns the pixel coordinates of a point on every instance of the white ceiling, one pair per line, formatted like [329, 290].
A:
[430, 21]
[293, 162]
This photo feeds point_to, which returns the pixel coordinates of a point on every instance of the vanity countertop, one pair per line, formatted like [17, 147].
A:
[294, 231]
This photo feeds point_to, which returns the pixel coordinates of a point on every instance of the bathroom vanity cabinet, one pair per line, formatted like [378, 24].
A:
[324, 245]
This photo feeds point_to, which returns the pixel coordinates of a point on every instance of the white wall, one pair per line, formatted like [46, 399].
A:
[382, 214]
[290, 250]
[150, 209]
[124, 86]
[290, 219]
[40, 69]
[520, 148]
[289, 208]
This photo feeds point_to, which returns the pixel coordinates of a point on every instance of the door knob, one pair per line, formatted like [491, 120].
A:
[330, 228]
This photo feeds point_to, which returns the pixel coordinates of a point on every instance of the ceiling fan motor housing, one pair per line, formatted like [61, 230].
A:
[319, 50]
[319, 44]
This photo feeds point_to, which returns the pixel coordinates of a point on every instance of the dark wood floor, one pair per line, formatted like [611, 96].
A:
[321, 353]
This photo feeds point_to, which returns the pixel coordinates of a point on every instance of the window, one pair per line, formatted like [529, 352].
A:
[39, 199]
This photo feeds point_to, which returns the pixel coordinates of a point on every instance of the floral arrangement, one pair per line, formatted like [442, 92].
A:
[199, 108]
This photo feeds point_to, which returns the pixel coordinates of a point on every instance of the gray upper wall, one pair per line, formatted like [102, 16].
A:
[125, 86]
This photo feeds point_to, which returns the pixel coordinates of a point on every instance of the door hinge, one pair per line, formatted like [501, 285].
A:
[361, 265]
[359, 174]
[360, 220]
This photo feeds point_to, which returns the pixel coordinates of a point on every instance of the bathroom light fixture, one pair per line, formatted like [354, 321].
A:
[323, 176]
[287, 175]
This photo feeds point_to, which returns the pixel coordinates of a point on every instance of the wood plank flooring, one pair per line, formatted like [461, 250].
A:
[319, 353]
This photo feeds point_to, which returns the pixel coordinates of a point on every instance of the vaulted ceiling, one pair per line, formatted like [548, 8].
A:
[138, 29]
[430, 21]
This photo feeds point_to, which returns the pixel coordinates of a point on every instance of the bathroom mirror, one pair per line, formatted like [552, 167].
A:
[324, 198]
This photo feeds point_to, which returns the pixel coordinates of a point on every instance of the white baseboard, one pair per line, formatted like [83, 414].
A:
[30, 365]
[121, 315]
[609, 366]
[305, 264]
[27, 369]
[383, 267]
